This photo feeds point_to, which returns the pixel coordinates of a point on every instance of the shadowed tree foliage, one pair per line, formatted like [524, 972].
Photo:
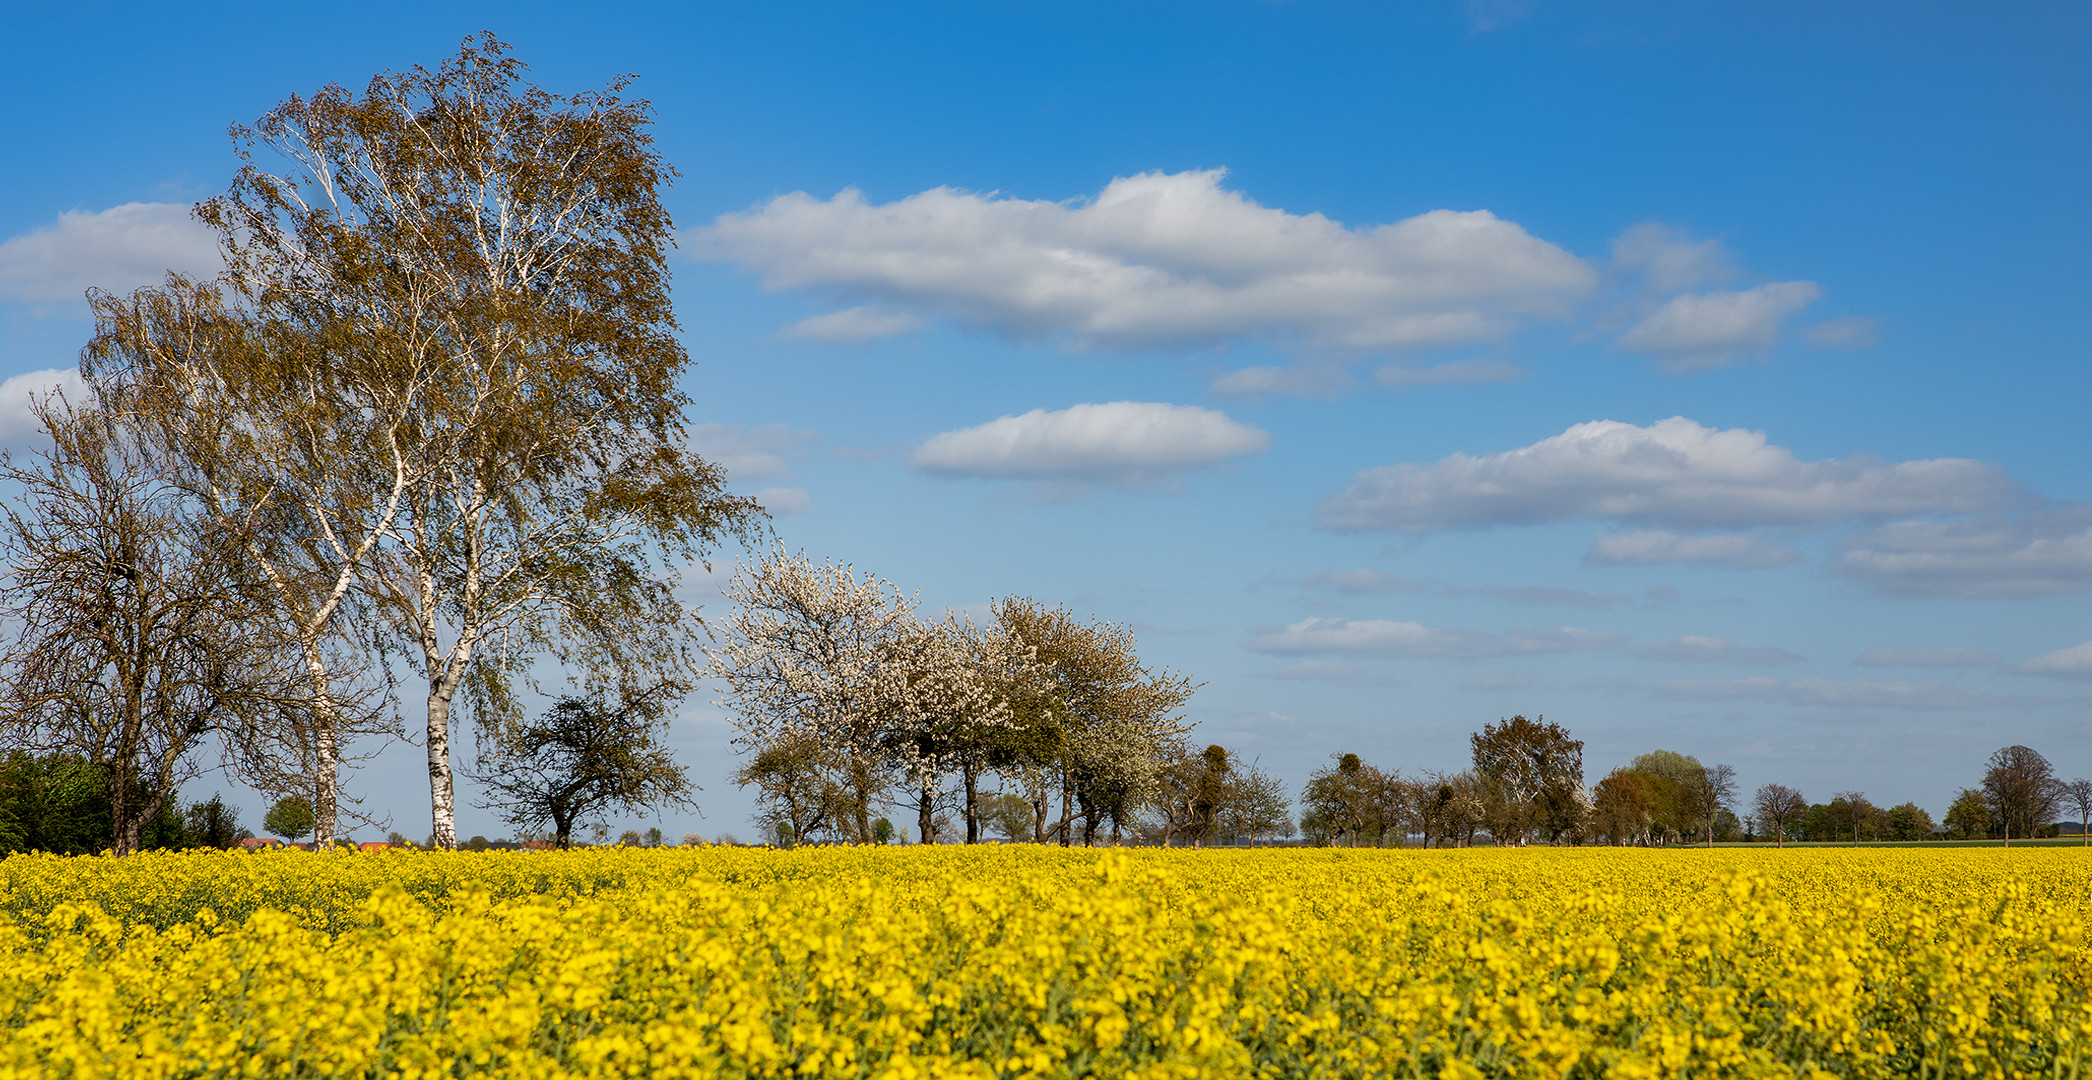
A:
[584, 757]
[291, 818]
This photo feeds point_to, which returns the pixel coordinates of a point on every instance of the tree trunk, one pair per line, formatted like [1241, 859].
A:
[1067, 810]
[442, 794]
[925, 812]
[971, 777]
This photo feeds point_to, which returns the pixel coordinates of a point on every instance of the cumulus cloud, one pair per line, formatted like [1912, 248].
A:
[2043, 553]
[118, 249]
[1950, 657]
[781, 501]
[1115, 442]
[1159, 259]
[2074, 662]
[1667, 260]
[1860, 694]
[1456, 373]
[1383, 637]
[852, 326]
[1673, 473]
[1696, 332]
[1851, 332]
[1648, 547]
[18, 426]
[1693, 649]
[751, 452]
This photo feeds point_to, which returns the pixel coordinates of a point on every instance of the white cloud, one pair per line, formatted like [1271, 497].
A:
[1672, 473]
[751, 452]
[1456, 373]
[1159, 259]
[1710, 330]
[1860, 694]
[1668, 261]
[1382, 637]
[1850, 332]
[1648, 547]
[1308, 380]
[852, 326]
[1950, 657]
[118, 249]
[780, 501]
[2045, 553]
[1115, 442]
[1693, 649]
[1503, 680]
[2074, 662]
[18, 426]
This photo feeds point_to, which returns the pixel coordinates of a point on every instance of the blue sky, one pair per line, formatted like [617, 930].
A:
[1702, 377]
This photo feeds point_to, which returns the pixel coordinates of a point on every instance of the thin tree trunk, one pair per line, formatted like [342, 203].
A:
[925, 809]
[1067, 811]
[971, 778]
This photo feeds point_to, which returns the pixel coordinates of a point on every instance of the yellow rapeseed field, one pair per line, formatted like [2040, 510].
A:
[1027, 961]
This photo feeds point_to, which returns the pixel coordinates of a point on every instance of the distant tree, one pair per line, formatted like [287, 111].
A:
[2077, 794]
[1778, 807]
[213, 824]
[1682, 803]
[693, 839]
[290, 818]
[1258, 807]
[1338, 801]
[1908, 821]
[585, 756]
[1621, 808]
[2021, 790]
[1009, 815]
[882, 831]
[1717, 794]
[799, 781]
[1851, 813]
[653, 837]
[1534, 775]
[1969, 816]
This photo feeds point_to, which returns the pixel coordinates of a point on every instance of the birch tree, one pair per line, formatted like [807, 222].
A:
[277, 405]
[495, 255]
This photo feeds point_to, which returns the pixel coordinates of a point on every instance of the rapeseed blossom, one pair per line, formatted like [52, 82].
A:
[1026, 961]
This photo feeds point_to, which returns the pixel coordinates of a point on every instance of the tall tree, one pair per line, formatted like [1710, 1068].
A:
[133, 640]
[2021, 789]
[505, 249]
